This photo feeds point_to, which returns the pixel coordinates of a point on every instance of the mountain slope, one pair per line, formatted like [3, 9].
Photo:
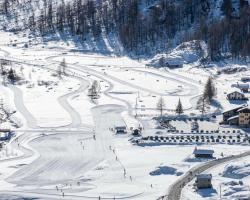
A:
[140, 27]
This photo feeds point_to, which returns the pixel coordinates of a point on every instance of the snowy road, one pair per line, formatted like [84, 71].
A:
[174, 192]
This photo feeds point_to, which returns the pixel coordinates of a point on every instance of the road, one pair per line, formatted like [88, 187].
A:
[174, 192]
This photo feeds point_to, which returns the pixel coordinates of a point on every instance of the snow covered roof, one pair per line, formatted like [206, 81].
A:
[234, 117]
[235, 92]
[204, 176]
[243, 85]
[120, 127]
[231, 107]
[245, 78]
[244, 109]
[203, 151]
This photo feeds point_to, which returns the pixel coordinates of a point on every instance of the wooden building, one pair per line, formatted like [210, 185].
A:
[236, 96]
[203, 181]
[203, 153]
[244, 117]
[120, 129]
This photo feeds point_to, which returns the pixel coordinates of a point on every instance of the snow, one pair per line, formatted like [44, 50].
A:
[231, 180]
[236, 171]
[66, 141]
[185, 53]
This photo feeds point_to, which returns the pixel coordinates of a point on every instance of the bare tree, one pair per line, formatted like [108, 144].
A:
[161, 105]
[94, 90]
[63, 66]
[59, 71]
[202, 105]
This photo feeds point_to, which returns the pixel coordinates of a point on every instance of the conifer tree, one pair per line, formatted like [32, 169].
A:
[179, 108]
[209, 91]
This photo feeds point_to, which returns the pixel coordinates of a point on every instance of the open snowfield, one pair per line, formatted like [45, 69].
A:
[65, 148]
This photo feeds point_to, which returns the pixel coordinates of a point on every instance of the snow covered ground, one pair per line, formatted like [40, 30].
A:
[230, 181]
[66, 147]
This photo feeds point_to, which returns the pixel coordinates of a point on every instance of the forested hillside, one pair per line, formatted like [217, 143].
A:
[141, 26]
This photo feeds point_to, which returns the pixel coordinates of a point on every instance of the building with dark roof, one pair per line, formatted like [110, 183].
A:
[203, 153]
[203, 181]
[236, 96]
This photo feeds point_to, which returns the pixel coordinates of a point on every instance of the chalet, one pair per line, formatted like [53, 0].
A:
[243, 87]
[203, 153]
[245, 79]
[234, 120]
[236, 96]
[238, 116]
[244, 117]
[231, 113]
[203, 181]
[120, 129]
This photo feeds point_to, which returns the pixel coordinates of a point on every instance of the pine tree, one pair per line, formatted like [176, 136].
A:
[161, 105]
[12, 76]
[209, 91]
[179, 108]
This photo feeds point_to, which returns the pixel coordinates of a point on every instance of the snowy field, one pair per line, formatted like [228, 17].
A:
[65, 148]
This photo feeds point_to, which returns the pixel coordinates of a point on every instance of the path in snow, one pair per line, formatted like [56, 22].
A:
[20, 106]
[174, 192]
[194, 87]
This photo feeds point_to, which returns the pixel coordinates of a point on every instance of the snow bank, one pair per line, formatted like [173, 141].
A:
[236, 171]
[165, 170]
[185, 53]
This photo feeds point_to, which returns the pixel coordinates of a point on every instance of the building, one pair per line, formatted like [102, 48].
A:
[203, 181]
[238, 116]
[203, 153]
[5, 134]
[236, 96]
[120, 129]
[231, 113]
[245, 79]
[244, 117]
[234, 120]
[244, 87]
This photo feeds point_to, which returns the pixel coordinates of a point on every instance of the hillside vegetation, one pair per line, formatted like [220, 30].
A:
[140, 27]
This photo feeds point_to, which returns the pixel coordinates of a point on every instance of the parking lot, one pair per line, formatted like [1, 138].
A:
[196, 139]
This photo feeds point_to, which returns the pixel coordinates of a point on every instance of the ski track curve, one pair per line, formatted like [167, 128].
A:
[62, 100]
